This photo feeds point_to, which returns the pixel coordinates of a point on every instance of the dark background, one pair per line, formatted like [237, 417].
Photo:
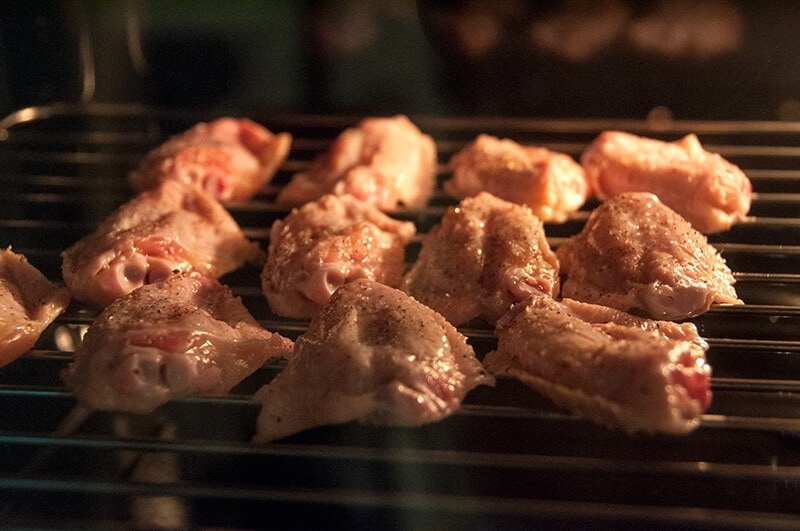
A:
[381, 56]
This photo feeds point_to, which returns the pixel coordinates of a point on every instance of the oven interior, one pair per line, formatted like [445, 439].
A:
[90, 87]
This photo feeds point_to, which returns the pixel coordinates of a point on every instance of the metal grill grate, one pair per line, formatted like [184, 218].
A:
[506, 459]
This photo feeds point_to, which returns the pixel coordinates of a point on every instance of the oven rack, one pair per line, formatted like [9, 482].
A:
[506, 459]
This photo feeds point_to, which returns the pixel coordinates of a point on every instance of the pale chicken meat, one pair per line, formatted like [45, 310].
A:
[174, 227]
[385, 161]
[29, 302]
[326, 243]
[612, 369]
[230, 159]
[710, 192]
[485, 255]
[374, 355]
[552, 184]
[183, 335]
[638, 255]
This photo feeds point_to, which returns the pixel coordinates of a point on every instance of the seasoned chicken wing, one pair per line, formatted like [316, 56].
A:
[707, 190]
[29, 302]
[230, 159]
[386, 162]
[552, 184]
[325, 244]
[375, 355]
[183, 335]
[638, 255]
[615, 370]
[485, 255]
[174, 227]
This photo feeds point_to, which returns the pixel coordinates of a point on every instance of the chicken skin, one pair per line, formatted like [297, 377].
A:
[183, 335]
[374, 355]
[612, 369]
[707, 190]
[174, 227]
[386, 162]
[638, 255]
[552, 184]
[29, 302]
[485, 255]
[325, 244]
[230, 159]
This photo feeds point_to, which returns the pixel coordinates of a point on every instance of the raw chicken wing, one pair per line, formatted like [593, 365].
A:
[174, 227]
[552, 184]
[231, 159]
[638, 376]
[29, 302]
[375, 355]
[325, 244]
[707, 190]
[638, 255]
[485, 255]
[184, 335]
[386, 162]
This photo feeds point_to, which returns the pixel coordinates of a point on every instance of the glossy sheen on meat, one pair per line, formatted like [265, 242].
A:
[707, 190]
[374, 355]
[386, 162]
[230, 159]
[552, 184]
[184, 335]
[637, 376]
[485, 255]
[325, 244]
[637, 255]
[29, 302]
[174, 227]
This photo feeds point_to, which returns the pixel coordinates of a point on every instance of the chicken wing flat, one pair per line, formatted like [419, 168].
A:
[615, 370]
[375, 355]
[707, 190]
[183, 335]
[29, 302]
[638, 255]
[386, 162]
[230, 159]
[325, 244]
[552, 184]
[174, 227]
[485, 255]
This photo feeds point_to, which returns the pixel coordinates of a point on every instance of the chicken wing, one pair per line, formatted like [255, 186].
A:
[707, 190]
[183, 335]
[230, 159]
[638, 255]
[485, 255]
[174, 227]
[29, 302]
[552, 184]
[375, 355]
[615, 370]
[386, 162]
[325, 244]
